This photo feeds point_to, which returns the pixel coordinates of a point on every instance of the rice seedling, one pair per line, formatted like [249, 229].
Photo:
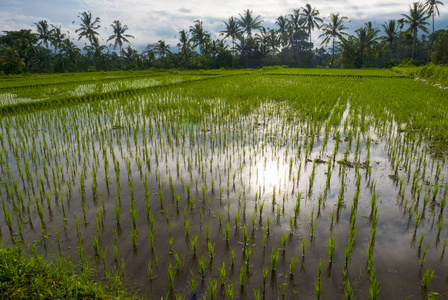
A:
[211, 249]
[304, 242]
[348, 291]
[212, 287]
[171, 274]
[201, 262]
[318, 281]
[274, 259]
[187, 227]
[292, 264]
[245, 236]
[265, 275]
[180, 262]
[230, 291]
[243, 277]
[256, 295]
[222, 273]
[284, 239]
[426, 279]
[232, 256]
[331, 247]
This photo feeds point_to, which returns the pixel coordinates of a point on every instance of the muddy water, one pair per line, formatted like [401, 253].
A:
[231, 166]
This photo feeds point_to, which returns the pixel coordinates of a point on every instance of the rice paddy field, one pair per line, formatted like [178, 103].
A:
[278, 183]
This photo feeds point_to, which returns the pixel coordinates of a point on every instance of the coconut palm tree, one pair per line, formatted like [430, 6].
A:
[367, 39]
[433, 10]
[417, 21]
[44, 35]
[162, 49]
[199, 36]
[391, 30]
[333, 30]
[310, 19]
[283, 24]
[249, 23]
[119, 35]
[233, 30]
[71, 50]
[57, 39]
[185, 47]
[87, 29]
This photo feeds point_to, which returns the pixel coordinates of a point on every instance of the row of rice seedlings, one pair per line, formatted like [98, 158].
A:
[161, 152]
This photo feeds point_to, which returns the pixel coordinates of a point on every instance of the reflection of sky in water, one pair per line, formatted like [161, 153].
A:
[257, 161]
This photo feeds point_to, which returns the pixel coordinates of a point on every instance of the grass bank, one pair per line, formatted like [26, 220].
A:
[23, 277]
[431, 73]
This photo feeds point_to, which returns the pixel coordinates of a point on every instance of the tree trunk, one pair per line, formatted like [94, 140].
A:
[332, 55]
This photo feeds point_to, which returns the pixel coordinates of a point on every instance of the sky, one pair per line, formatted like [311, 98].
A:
[150, 21]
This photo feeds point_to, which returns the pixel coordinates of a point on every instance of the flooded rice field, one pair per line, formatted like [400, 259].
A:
[255, 187]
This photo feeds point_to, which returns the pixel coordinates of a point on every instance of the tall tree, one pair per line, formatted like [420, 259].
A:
[162, 49]
[119, 35]
[185, 47]
[282, 23]
[57, 39]
[233, 31]
[71, 50]
[391, 30]
[417, 21]
[433, 10]
[310, 19]
[88, 29]
[367, 39]
[199, 36]
[44, 34]
[249, 23]
[333, 30]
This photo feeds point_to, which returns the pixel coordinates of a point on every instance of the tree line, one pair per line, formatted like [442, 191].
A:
[244, 43]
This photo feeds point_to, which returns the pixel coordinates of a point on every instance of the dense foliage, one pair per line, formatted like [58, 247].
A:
[249, 44]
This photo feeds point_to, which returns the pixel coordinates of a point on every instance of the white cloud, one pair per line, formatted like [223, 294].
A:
[150, 21]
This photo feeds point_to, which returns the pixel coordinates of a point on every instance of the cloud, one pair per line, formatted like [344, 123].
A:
[150, 21]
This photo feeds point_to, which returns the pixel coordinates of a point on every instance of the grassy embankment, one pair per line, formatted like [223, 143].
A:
[434, 74]
[23, 277]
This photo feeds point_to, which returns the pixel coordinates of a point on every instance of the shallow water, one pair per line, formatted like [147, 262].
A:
[231, 164]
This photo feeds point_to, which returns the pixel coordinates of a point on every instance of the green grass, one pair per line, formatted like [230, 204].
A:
[432, 73]
[23, 277]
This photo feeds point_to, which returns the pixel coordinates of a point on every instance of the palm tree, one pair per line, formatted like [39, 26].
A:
[119, 34]
[367, 39]
[283, 24]
[130, 55]
[391, 30]
[57, 39]
[310, 19]
[294, 23]
[71, 50]
[88, 30]
[416, 20]
[44, 34]
[199, 36]
[162, 49]
[249, 23]
[333, 30]
[432, 9]
[233, 30]
[185, 47]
